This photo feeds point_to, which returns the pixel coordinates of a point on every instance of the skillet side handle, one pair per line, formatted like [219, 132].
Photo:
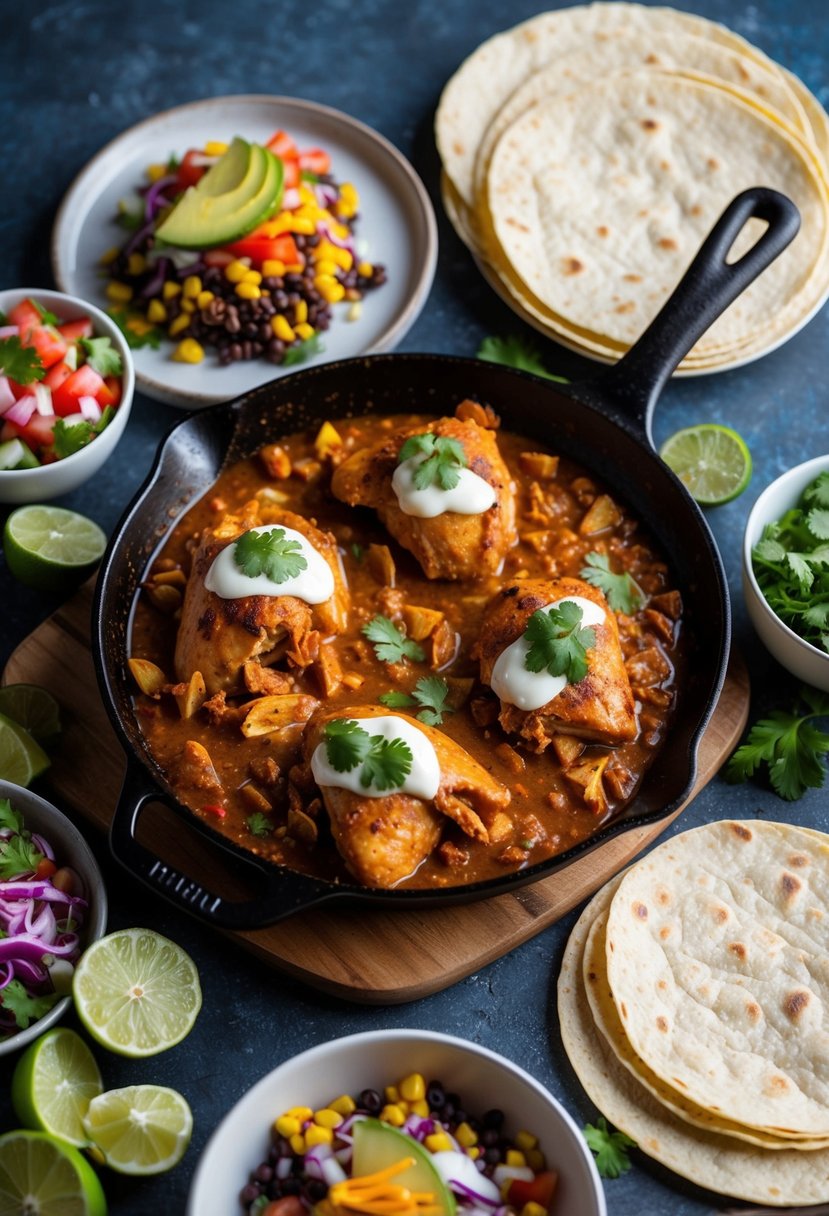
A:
[706, 289]
[284, 893]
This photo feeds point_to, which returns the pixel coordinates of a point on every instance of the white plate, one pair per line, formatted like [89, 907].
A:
[396, 224]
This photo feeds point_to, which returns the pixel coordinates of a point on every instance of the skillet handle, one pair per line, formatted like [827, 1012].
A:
[706, 289]
[285, 892]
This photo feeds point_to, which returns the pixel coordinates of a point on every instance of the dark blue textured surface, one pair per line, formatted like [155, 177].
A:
[72, 76]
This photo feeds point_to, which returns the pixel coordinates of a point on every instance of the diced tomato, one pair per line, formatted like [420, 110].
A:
[112, 387]
[260, 247]
[47, 343]
[85, 382]
[19, 390]
[314, 160]
[81, 327]
[218, 257]
[45, 868]
[56, 375]
[281, 144]
[288, 1205]
[540, 1190]
[9, 431]
[38, 432]
[291, 179]
[25, 316]
[189, 173]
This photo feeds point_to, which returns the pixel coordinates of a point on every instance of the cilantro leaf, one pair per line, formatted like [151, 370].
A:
[299, 352]
[47, 317]
[347, 744]
[557, 643]
[445, 458]
[791, 747]
[25, 1008]
[622, 590]
[609, 1148]
[20, 362]
[9, 817]
[816, 493]
[128, 218]
[390, 643]
[102, 356]
[70, 437]
[387, 764]
[396, 700]
[817, 521]
[258, 824]
[516, 352]
[270, 553]
[357, 552]
[136, 329]
[18, 856]
[431, 692]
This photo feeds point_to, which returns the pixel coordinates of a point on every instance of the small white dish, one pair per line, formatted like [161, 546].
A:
[379, 1058]
[396, 223]
[793, 652]
[21, 486]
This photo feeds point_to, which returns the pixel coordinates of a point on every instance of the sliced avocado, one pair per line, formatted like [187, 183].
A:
[378, 1145]
[206, 216]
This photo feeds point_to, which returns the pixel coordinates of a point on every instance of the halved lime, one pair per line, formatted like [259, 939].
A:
[21, 757]
[50, 548]
[53, 1083]
[42, 1175]
[33, 708]
[136, 992]
[142, 1129]
[712, 461]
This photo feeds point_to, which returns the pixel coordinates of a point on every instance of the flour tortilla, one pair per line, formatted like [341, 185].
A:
[716, 957]
[720, 1163]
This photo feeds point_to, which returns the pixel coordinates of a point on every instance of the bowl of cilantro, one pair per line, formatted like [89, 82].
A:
[66, 389]
[786, 570]
[52, 906]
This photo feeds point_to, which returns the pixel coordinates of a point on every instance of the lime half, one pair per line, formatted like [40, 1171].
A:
[42, 1175]
[21, 757]
[712, 461]
[136, 992]
[50, 548]
[143, 1129]
[33, 708]
[53, 1083]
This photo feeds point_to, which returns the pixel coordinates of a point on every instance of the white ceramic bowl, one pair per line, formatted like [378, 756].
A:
[71, 850]
[798, 656]
[378, 1058]
[63, 476]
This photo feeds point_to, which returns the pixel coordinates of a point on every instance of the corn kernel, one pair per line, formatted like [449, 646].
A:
[304, 331]
[327, 251]
[392, 1093]
[170, 290]
[352, 680]
[301, 311]
[421, 1107]
[303, 225]
[248, 291]
[318, 1135]
[533, 1209]
[281, 328]
[136, 263]
[253, 276]
[438, 1142]
[236, 271]
[156, 172]
[365, 270]
[393, 1114]
[327, 1117]
[474, 1152]
[119, 292]
[328, 440]
[204, 298]
[215, 147]
[514, 1157]
[156, 312]
[181, 323]
[297, 1143]
[192, 286]
[287, 1126]
[329, 288]
[303, 1113]
[326, 266]
[536, 1159]
[413, 1087]
[294, 267]
[110, 255]
[307, 196]
[525, 1140]
[188, 351]
[344, 1105]
[188, 305]
[349, 200]
[138, 325]
[273, 266]
[465, 1136]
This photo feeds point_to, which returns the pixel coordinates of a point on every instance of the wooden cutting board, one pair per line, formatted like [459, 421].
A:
[372, 955]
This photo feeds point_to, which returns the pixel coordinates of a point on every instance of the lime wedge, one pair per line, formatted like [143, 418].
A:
[136, 992]
[39, 1174]
[21, 757]
[33, 708]
[53, 1083]
[712, 461]
[50, 548]
[142, 1129]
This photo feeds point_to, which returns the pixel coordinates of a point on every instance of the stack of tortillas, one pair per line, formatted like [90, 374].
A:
[588, 152]
[694, 1006]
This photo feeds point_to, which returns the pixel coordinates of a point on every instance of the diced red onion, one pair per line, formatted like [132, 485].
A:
[340, 241]
[344, 1131]
[283, 1167]
[7, 397]
[333, 1172]
[137, 238]
[22, 410]
[182, 272]
[9, 331]
[36, 888]
[29, 949]
[43, 845]
[344, 1155]
[90, 409]
[460, 1188]
[163, 268]
[290, 199]
[152, 200]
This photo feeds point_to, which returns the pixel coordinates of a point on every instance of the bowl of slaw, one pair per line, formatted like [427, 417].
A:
[53, 833]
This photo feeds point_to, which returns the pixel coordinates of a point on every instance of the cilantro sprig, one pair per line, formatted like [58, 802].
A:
[102, 356]
[430, 692]
[135, 329]
[258, 824]
[558, 643]
[46, 317]
[516, 352]
[9, 817]
[385, 763]
[300, 352]
[443, 460]
[70, 437]
[25, 1008]
[609, 1148]
[20, 362]
[270, 553]
[622, 591]
[390, 642]
[789, 744]
[18, 854]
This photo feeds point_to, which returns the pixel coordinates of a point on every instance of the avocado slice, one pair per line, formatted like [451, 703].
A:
[236, 194]
[378, 1145]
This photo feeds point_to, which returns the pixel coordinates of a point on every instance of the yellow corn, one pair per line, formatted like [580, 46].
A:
[329, 288]
[204, 298]
[526, 1140]
[326, 266]
[181, 323]
[318, 1135]
[392, 1093]
[304, 331]
[253, 276]
[170, 289]
[514, 1157]
[248, 291]
[119, 292]
[327, 1117]
[287, 1126]
[192, 286]
[393, 1114]
[327, 441]
[421, 1107]
[303, 225]
[465, 1136]
[188, 351]
[474, 1152]
[438, 1142]
[156, 172]
[533, 1209]
[188, 305]
[297, 1143]
[536, 1159]
[307, 196]
[136, 263]
[348, 201]
[413, 1087]
[301, 311]
[110, 255]
[236, 271]
[281, 328]
[343, 1106]
[138, 325]
[272, 266]
[327, 251]
[303, 1113]
[215, 147]
[156, 312]
[294, 267]
[365, 270]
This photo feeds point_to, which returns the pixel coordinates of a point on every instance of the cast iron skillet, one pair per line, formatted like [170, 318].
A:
[604, 424]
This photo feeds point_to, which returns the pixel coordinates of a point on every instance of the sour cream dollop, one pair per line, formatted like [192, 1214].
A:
[423, 781]
[314, 584]
[531, 689]
[471, 496]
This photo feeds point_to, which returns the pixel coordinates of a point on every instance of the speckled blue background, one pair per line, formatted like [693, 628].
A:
[72, 76]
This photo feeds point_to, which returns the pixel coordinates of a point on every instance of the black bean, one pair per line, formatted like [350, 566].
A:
[489, 1137]
[492, 1156]
[249, 1193]
[292, 1186]
[370, 1101]
[274, 1189]
[263, 1172]
[494, 1118]
[316, 1190]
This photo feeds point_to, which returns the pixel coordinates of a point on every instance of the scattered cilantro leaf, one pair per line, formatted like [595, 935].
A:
[558, 643]
[789, 744]
[609, 1148]
[816, 493]
[70, 437]
[444, 459]
[622, 590]
[18, 855]
[516, 352]
[20, 362]
[305, 175]
[47, 317]
[258, 824]
[386, 763]
[25, 1008]
[347, 744]
[357, 552]
[9, 817]
[431, 693]
[102, 356]
[390, 643]
[270, 553]
[129, 218]
[299, 352]
[135, 329]
[396, 700]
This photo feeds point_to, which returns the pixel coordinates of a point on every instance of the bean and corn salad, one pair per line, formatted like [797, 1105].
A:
[486, 1171]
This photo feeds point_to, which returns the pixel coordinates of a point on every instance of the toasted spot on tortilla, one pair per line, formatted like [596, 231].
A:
[789, 885]
[738, 949]
[713, 163]
[740, 830]
[667, 242]
[798, 860]
[628, 306]
[720, 913]
[602, 230]
[640, 910]
[662, 1024]
[794, 1004]
[754, 1011]
[632, 278]
[572, 265]
[649, 124]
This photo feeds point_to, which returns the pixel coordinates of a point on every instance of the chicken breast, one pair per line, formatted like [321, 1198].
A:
[219, 636]
[600, 707]
[451, 545]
